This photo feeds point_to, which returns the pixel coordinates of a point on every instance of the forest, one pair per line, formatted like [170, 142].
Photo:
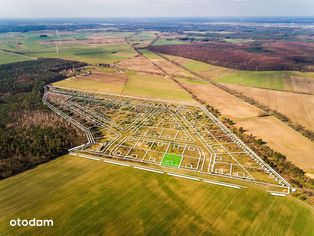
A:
[31, 134]
[256, 56]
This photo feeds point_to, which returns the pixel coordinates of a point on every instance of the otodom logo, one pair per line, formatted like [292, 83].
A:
[32, 223]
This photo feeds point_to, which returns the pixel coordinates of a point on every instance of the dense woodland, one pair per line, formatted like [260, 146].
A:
[31, 134]
[257, 56]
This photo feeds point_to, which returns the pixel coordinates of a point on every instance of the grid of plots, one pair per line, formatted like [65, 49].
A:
[159, 133]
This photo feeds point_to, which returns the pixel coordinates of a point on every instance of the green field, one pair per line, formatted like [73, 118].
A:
[197, 66]
[31, 44]
[204, 69]
[238, 40]
[6, 58]
[278, 80]
[152, 86]
[171, 160]
[90, 85]
[85, 53]
[259, 79]
[143, 37]
[137, 84]
[89, 197]
[149, 54]
[192, 81]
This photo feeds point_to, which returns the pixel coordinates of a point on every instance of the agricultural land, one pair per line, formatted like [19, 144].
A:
[169, 128]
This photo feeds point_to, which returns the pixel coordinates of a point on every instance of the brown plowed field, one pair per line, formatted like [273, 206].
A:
[301, 84]
[298, 107]
[170, 68]
[139, 63]
[278, 135]
[277, 55]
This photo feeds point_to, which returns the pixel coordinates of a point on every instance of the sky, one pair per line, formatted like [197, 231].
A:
[153, 8]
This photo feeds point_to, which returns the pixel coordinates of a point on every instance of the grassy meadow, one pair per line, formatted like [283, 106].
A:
[6, 57]
[278, 80]
[89, 197]
[152, 86]
[259, 79]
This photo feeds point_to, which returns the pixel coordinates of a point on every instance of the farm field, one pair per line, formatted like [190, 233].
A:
[207, 70]
[128, 83]
[6, 58]
[166, 65]
[297, 148]
[294, 81]
[302, 82]
[87, 196]
[135, 125]
[142, 39]
[161, 42]
[298, 107]
[153, 86]
[101, 82]
[278, 135]
[139, 63]
[93, 48]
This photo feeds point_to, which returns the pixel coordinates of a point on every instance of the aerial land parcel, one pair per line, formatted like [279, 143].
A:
[298, 107]
[6, 57]
[128, 83]
[162, 204]
[89, 47]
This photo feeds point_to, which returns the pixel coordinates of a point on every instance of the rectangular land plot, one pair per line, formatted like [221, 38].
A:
[171, 160]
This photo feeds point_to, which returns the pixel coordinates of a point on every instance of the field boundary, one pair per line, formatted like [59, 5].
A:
[220, 183]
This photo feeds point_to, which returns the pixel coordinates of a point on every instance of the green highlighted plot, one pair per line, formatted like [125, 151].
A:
[171, 160]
